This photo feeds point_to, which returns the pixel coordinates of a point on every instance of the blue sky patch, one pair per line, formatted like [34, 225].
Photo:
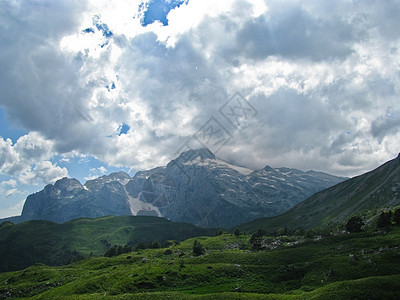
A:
[124, 129]
[88, 30]
[158, 10]
[102, 27]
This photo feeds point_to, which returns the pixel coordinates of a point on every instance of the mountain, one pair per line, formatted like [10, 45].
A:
[195, 188]
[373, 190]
[67, 199]
[27, 243]
[201, 189]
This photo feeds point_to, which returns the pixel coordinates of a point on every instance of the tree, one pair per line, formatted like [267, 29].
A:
[384, 220]
[236, 232]
[110, 252]
[198, 248]
[299, 232]
[141, 246]
[396, 217]
[220, 232]
[354, 224]
[256, 241]
[283, 232]
[310, 234]
[154, 245]
[118, 250]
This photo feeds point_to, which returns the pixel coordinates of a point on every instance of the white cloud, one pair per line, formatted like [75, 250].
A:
[29, 149]
[11, 192]
[10, 183]
[315, 71]
[43, 173]
[96, 173]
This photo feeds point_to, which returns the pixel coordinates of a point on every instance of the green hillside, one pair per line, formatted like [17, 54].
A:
[348, 266]
[373, 190]
[24, 244]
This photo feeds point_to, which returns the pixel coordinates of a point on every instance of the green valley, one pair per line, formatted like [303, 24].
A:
[363, 265]
[24, 244]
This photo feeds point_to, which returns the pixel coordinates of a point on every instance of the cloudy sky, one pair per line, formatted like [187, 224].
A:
[91, 87]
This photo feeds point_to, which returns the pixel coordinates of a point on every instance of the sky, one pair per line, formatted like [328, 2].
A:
[96, 86]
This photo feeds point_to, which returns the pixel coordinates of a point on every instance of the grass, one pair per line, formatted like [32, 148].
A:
[352, 266]
[27, 243]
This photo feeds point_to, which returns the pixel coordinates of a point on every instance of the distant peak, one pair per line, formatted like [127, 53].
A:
[119, 174]
[68, 183]
[202, 153]
[269, 169]
[65, 181]
[192, 154]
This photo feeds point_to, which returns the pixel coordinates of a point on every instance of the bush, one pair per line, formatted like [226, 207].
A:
[283, 232]
[396, 217]
[384, 220]
[118, 250]
[154, 245]
[354, 224]
[141, 246]
[198, 248]
[299, 232]
[256, 241]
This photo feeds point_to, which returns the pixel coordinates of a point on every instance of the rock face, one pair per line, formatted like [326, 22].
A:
[196, 188]
[67, 199]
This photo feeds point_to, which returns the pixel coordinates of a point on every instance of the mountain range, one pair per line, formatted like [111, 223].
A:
[376, 189]
[195, 188]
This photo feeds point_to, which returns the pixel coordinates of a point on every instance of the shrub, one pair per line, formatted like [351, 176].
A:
[354, 224]
[198, 248]
[384, 220]
[154, 245]
[396, 217]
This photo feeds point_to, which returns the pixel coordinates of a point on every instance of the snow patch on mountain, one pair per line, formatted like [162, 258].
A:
[139, 207]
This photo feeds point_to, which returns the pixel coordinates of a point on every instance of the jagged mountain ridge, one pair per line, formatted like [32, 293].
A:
[376, 189]
[196, 187]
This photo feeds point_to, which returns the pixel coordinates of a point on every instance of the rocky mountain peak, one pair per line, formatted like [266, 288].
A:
[269, 169]
[68, 184]
[120, 177]
[190, 155]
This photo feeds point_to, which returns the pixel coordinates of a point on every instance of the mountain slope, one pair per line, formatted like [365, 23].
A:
[195, 188]
[27, 243]
[376, 189]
